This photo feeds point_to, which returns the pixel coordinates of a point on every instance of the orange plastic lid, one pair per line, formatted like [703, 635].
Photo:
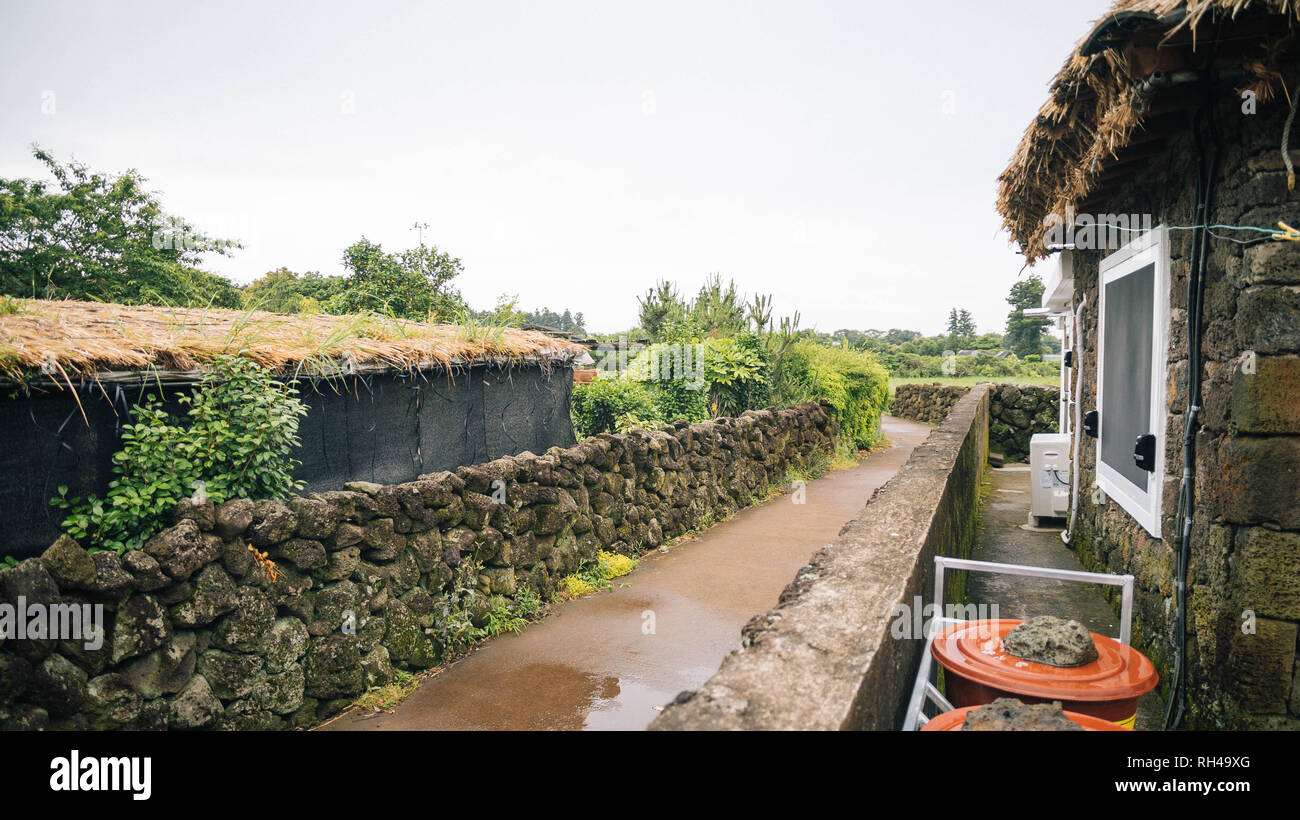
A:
[974, 651]
[954, 721]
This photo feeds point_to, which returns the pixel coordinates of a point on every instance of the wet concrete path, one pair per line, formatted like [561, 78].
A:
[607, 660]
[1004, 538]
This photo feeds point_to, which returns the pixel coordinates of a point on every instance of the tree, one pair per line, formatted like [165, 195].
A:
[413, 284]
[1025, 333]
[961, 327]
[284, 291]
[718, 310]
[660, 307]
[102, 237]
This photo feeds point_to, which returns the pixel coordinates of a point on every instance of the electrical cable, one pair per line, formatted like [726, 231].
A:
[1076, 397]
[1206, 169]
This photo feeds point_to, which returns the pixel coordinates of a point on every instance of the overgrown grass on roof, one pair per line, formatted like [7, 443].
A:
[70, 339]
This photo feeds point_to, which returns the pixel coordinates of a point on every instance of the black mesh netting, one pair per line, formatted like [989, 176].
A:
[382, 428]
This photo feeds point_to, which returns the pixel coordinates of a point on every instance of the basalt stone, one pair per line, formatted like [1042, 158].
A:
[377, 668]
[488, 546]
[1051, 640]
[233, 518]
[111, 581]
[383, 543]
[303, 553]
[246, 627]
[280, 693]
[498, 580]
[145, 571]
[202, 512]
[153, 717]
[369, 488]
[551, 518]
[214, 595]
[434, 492]
[16, 676]
[345, 535]
[30, 581]
[406, 641]
[68, 564]
[332, 605]
[340, 564]
[273, 522]
[181, 549]
[458, 541]
[59, 686]
[437, 579]
[476, 479]
[370, 635]
[112, 703]
[230, 675]
[401, 574]
[288, 588]
[23, 717]
[285, 644]
[427, 549]
[316, 519]
[478, 509]
[141, 626]
[332, 668]
[176, 592]
[194, 707]
[236, 558]
[450, 515]
[166, 670]
[355, 507]
[1010, 715]
[247, 716]
[422, 606]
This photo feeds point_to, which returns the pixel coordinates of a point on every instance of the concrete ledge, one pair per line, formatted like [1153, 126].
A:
[824, 657]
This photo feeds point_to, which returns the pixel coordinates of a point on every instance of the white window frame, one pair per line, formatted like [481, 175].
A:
[1148, 248]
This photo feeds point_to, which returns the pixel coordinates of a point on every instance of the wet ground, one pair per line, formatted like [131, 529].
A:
[608, 660]
[1003, 537]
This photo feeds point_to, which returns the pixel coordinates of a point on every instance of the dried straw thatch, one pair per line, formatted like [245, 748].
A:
[1095, 106]
[64, 341]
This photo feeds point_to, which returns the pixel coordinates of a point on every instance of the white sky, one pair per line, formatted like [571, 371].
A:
[570, 152]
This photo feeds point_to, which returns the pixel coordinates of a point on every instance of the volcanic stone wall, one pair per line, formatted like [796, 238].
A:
[1016, 412]
[1244, 610]
[200, 632]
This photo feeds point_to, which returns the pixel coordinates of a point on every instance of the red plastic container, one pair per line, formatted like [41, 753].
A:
[954, 721]
[978, 671]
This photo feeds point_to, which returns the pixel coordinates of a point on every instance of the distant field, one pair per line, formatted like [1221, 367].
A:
[971, 381]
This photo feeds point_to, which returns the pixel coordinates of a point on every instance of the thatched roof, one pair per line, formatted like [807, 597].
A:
[68, 340]
[1097, 108]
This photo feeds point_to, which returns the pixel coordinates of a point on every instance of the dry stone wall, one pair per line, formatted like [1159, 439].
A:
[200, 633]
[1016, 412]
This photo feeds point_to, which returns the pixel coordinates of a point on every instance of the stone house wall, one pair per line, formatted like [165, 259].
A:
[199, 635]
[1245, 548]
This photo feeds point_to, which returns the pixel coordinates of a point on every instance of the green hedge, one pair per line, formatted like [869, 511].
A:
[854, 383]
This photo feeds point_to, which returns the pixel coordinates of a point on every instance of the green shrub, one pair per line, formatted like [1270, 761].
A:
[597, 407]
[242, 429]
[737, 371]
[853, 382]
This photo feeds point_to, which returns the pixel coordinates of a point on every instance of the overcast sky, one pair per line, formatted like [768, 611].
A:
[841, 156]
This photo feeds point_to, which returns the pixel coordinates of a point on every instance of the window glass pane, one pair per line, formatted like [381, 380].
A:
[1126, 381]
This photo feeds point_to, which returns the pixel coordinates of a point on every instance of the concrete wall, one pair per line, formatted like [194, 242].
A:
[1246, 538]
[824, 657]
[198, 633]
[1016, 412]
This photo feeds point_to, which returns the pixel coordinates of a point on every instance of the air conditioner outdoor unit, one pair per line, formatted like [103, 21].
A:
[1049, 465]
